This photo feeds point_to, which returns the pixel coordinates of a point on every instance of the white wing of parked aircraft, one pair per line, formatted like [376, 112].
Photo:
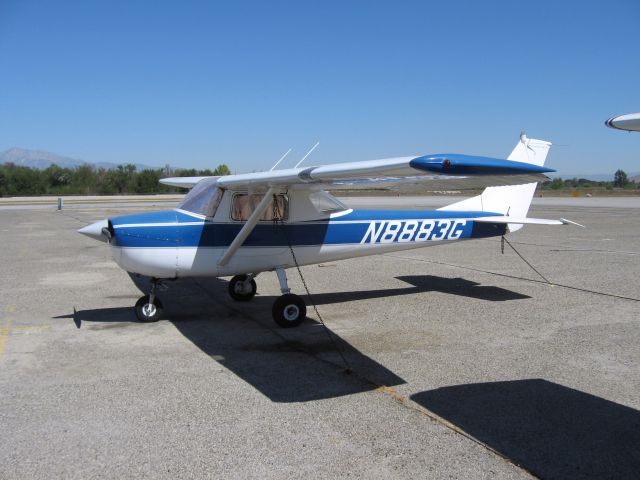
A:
[629, 122]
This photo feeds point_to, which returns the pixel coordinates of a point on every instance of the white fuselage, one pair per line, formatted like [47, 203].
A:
[179, 243]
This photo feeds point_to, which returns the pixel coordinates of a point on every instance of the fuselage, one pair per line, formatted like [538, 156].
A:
[177, 243]
[311, 226]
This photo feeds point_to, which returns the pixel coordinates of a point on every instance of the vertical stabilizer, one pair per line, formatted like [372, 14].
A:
[512, 200]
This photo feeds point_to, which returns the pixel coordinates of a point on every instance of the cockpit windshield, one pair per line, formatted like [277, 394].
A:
[326, 203]
[203, 198]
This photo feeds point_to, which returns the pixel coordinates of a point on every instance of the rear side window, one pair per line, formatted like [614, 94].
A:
[244, 205]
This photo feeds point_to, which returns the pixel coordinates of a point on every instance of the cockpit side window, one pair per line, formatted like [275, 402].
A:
[244, 205]
[203, 198]
[326, 203]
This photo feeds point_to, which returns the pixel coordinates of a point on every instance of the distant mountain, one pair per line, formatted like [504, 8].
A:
[40, 160]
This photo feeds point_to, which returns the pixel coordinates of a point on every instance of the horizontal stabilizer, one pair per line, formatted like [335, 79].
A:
[569, 222]
[525, 221]
[183, 182]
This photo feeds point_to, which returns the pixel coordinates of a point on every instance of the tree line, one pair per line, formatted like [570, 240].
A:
[620, 180]
[88, 180]
[126, 179]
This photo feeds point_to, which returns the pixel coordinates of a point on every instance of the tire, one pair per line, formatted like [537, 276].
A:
[289, 311]
[147, 312]
[236, 292]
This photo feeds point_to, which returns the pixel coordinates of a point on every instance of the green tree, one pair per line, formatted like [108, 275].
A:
[556, 184]
[24, 181]
[4, 182]
[121, 178]
[620, 179]
[147, 181]
[222, 169]
[87, 180]
[84, 180]
[57, 177]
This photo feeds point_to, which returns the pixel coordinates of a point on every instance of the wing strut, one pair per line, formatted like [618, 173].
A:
[247, 228]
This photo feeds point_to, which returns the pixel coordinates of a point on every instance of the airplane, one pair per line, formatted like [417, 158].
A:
[247, 224]
[629, 122]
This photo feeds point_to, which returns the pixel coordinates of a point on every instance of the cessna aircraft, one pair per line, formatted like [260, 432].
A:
[243, 225]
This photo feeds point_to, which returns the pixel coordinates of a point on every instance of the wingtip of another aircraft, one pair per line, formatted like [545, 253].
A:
[629, 122]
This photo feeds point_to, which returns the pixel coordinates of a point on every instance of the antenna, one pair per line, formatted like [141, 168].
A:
[281, 158]
[308, 153]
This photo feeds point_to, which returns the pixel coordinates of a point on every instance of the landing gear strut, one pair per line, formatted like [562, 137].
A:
[289, 310]
[149, 308]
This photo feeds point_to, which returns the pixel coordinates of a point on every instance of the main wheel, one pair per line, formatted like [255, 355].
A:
[148, 312]
[240, 291]
[289, 310]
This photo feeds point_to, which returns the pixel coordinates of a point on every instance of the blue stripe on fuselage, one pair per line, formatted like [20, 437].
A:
[176, 229]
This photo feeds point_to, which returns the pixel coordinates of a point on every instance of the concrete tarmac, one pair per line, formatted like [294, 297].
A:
[464, 362]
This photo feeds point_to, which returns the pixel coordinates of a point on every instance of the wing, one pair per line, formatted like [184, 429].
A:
[436, 172]
[446, 171]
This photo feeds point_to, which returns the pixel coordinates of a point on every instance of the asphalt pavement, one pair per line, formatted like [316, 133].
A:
[455, 361]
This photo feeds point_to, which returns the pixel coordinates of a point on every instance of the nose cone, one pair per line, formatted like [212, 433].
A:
[95, 230]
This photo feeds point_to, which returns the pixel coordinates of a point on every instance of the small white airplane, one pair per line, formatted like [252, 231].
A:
[629, 122]
[243, 225]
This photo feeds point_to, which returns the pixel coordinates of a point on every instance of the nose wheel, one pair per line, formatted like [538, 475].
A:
[149, 308]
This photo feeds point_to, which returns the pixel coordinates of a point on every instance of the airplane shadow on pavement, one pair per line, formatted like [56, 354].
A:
[286, 365]
[551, 430]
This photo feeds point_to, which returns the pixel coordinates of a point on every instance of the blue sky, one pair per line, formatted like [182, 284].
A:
[196, 84]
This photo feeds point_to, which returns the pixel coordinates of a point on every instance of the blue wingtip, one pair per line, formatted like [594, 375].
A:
[457, 164]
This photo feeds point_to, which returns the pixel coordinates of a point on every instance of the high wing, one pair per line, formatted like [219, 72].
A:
[434, 172]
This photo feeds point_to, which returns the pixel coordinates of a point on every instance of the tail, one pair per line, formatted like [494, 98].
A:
[512, 200]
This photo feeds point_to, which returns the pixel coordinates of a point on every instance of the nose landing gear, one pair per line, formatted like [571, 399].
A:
[149, 308]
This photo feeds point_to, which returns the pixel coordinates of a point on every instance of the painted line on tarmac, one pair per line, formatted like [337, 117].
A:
[6, 329]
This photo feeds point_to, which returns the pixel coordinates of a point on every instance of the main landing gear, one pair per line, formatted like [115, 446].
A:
[149, 308]
[288, 311]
